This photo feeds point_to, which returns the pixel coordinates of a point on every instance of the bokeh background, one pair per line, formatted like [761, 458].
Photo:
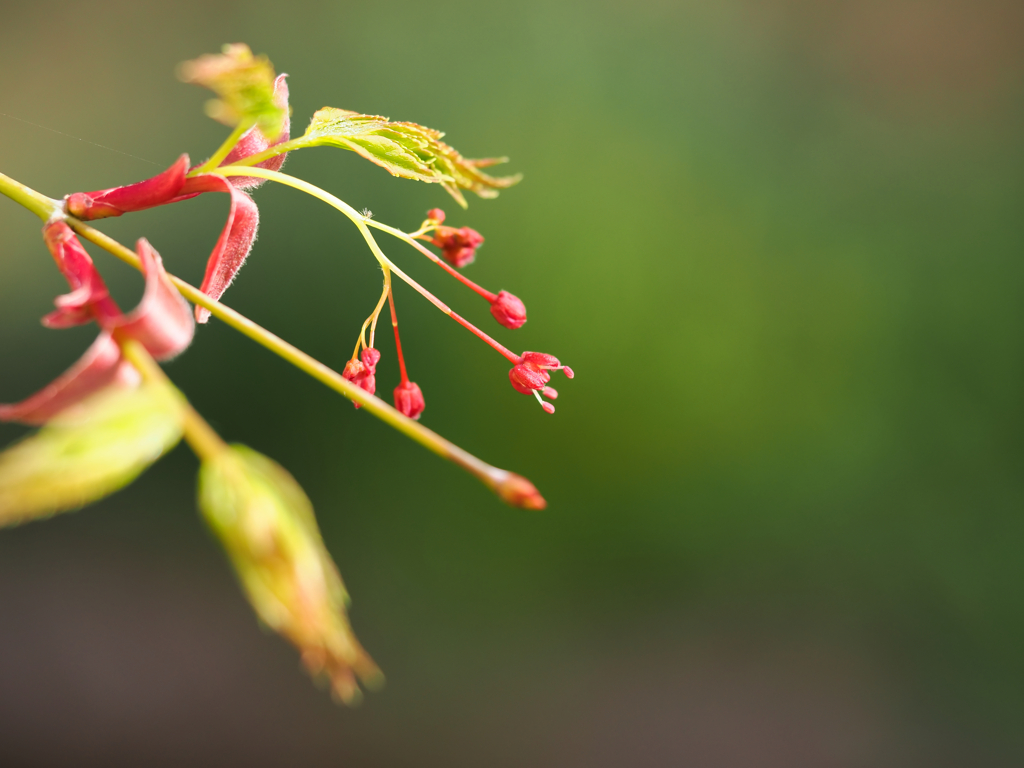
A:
[781, 244]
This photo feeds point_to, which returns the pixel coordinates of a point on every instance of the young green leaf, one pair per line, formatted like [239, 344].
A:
[405, 149]
[88, 451]
[266, 523]
[245, 85]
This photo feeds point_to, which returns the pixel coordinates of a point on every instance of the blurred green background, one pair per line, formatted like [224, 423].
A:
[780, 244]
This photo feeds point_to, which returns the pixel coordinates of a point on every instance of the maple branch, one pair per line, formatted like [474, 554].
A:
[512, 488]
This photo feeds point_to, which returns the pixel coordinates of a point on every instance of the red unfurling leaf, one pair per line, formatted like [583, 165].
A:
[162, 322]
[235, 240]
[89, 298]
[100, 366]
[160, 189]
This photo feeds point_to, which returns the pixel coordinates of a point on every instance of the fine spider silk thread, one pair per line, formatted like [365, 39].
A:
[86, 141]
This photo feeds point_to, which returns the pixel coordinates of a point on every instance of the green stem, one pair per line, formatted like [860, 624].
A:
[224, 149]
[41, 205]
[201, 437]
[357, 218]
[511, 487]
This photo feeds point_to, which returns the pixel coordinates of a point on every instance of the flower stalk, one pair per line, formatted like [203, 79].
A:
[362, 223]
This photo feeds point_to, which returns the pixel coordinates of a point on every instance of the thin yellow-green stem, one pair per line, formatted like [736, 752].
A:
[201, 437]
[357, 218]
[224, 149]
[300, 142]
[380, 304]
[41, 205]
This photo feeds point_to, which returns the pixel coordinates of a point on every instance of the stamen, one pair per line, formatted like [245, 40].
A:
[548, 407]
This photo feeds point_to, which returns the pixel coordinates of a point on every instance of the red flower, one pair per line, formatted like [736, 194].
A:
[530, 376]
[508, 310]
[409, 399]
[162, 323]
[458, 245]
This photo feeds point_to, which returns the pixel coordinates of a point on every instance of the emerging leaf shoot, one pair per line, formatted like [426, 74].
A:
[244, 84]
[88, 451]
[265, 522]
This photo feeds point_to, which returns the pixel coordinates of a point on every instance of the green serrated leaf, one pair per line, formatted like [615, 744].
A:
[406, 149]
[266, 523]
[88, 452]
[244, 83]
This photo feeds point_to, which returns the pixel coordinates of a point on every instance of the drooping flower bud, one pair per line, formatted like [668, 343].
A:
[370, 358]
[458, 245]
[436, 215]
[363, 372]
[354, 370]
[508, 310]
[409, 399]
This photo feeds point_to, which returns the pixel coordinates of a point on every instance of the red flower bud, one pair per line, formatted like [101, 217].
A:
[508, 310]
[353, 370]
[370, 358]
[409, 399]
[436, 215]
[458, 245]
[363, 373]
